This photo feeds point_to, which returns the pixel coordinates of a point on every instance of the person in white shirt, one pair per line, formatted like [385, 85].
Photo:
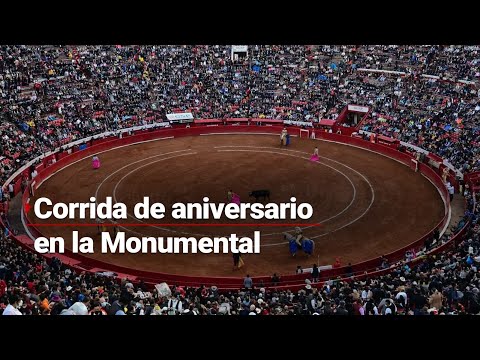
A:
[175, 306]
[451, 190]
[15, 302]
[79, 308]
[403, 294]
[370, 308]
[34, 174]
[366, 294]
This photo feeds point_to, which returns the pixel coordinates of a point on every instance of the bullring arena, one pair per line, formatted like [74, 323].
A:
[381, 140]
[367, 205]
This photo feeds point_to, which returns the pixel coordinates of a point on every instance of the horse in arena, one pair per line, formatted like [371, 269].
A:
[257, 194]
[307, 245]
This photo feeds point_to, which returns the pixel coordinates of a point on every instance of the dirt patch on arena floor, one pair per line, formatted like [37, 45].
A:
[368, 204]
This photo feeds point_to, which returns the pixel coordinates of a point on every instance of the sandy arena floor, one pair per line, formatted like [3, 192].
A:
[367, 204]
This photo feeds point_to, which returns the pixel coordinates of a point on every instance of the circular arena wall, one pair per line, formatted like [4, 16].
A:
[102, 145]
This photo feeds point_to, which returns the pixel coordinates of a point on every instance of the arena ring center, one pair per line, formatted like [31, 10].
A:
[257, 150]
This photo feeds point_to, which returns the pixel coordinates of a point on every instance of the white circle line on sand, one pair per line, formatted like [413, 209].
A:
[133, 217]
[319, 163]
[348, 167]
[133, 163]
[100, 152]
[183, 232]
[136, 169]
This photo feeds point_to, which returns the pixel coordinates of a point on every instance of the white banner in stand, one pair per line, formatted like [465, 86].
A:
[239, 48]
[362, 109]
[180, 116]
[163, 289]
[298, 123]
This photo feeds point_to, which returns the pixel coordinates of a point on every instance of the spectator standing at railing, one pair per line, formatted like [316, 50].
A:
[275, 280]
[11, 190]
[349, 270]
[24, 183]
[247, 282]
[315, 273]
[384, 263]
[451, 190]
[30, 187]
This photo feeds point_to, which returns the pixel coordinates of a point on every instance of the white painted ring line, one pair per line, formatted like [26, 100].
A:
[217, 147]
[319, 139]
[135, 162]
[366, 180]
[319, 163]
[275, 244]
[353, 199]
[100, 152]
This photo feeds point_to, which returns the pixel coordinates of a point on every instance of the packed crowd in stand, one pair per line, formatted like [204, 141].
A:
[440, 284]
[51, 95]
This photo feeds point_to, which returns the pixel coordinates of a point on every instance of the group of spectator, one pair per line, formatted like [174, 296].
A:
[441, 284]
[52, 95]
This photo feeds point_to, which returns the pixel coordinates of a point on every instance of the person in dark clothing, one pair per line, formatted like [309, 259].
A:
[390, 308]
[370, 307]
[115, 228]
[417, 301]
[315, 273]
[275, 279]
[349, 270]
[428, 243]
[327, 310]
[119, 304]
[378, 294]
[341, 310]
[236, 260]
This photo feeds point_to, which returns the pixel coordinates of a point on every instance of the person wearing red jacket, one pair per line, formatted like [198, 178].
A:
[3, 287]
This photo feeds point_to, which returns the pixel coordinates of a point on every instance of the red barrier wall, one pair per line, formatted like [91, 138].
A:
[473, 180]
[229, 282]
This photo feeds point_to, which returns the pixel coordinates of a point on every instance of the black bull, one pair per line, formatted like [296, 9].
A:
[265, 194]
